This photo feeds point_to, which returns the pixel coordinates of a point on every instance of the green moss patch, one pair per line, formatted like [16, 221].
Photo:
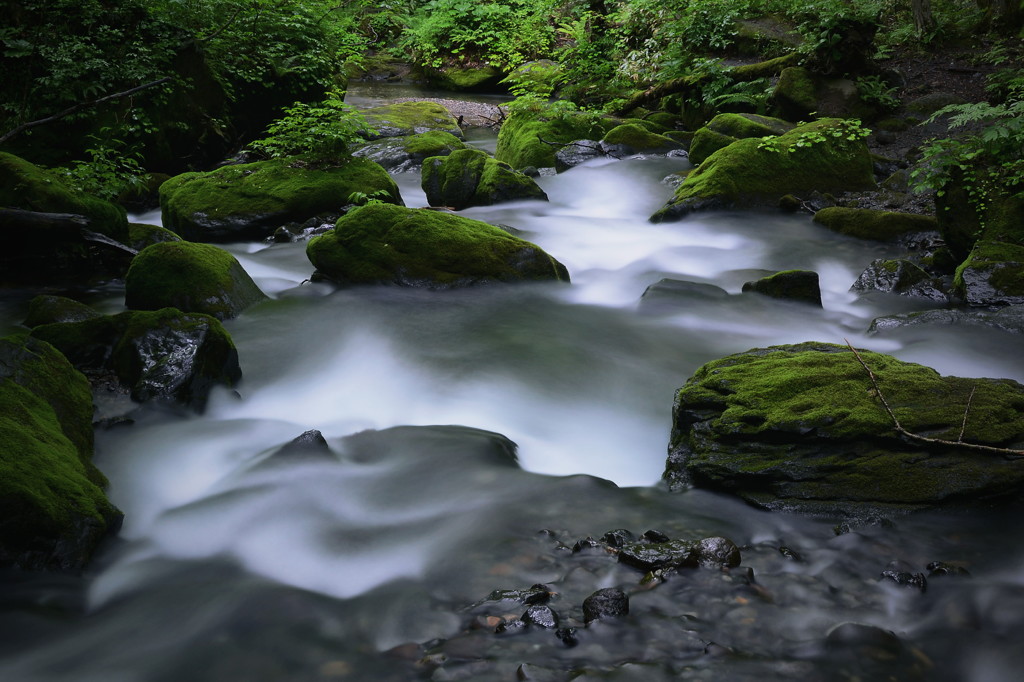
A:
[865, 223]
[192, 277]
[249, 201]
[384, 244]
[992, 275]
[635, 138]
[520, 138]
[470, 177]
[410, 118]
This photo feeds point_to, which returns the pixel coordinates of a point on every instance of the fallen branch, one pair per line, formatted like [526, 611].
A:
[78, 107]
[1014, 454]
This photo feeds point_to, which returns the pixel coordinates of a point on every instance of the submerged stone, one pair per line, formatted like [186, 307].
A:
[385, 244]
[801, 428]
[790, 285]
[610, 602]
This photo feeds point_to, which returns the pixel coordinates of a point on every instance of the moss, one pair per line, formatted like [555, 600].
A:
[140, 235]
[740, 126]
[26, 186]
[470, 177]
[191, 277]
[249, 201]
[747, 174]
[466, 78]
[794, 94]
[47, 309]
[638, 138]
[519, 140]
[801, 427]
[383, 244]
[706, 142]
[992, 275]
[867, 223]
[408, 118]
[432, 143]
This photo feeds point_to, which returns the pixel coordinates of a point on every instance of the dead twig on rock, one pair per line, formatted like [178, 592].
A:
[1008, 452]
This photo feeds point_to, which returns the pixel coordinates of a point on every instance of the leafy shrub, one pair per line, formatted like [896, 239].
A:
[318, 132]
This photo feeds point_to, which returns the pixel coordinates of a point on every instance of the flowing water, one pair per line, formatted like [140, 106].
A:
[234, 565]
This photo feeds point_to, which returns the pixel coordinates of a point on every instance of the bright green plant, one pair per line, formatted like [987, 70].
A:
[110, 172]
[364, 199]
[874, 90]
[318, 132]
[844, 130]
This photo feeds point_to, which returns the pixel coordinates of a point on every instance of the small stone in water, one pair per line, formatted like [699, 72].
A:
[790, 554]
[510, 627]
[900, 573]
[540, 615]
[718, 551]
[655, 536]
[618, 537]
[587, 543]
[938, 569]
[567, 636]
[610, 602]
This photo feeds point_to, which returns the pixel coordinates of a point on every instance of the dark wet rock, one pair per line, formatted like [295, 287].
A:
[55, 513]
[652, 535]
[648, 556]
[751, 172]
[587, 544]
[992, 275]
[866, 223]
[940, 569]
[790, 285]
[49, 309]
[540, 615]
[800, 428]
[505, 599]
[669, 294]
[567, 636]
[194, 278]
[1008, 319]
[610, 602]
[399, 154]
[159, 355]
[577, 152]
[618, 537]
[385, 244]
[445, 449]
[471, 177]
[511, 627]
[901, 573]
[790, 554]
[900, 276]
[308, 444]
[250, 201]
[861, 636]
[718, 551]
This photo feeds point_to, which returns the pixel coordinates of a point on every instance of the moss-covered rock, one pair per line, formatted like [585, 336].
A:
[531, 138]
[637, 138]
[900, 276]
[790, 285]
[27, 186]
[992, 275]
[47, 309]
[384, 244]
[53, 512]
[154, 355]
[141, 235]
[410, 118]
[814, 156]
[249, 201]
[195, 278]
[484, 78]
[470, 177]
[794, 94]
[396, 154]
[801, 428]
[706, 142]
[724, 129]
[866, 223]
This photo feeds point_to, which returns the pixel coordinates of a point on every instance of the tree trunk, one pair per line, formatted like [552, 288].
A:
[924, 22]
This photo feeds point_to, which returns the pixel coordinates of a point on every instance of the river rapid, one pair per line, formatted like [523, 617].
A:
[235, 565]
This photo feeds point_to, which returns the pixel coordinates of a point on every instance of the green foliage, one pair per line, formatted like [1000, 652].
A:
[363, 199]
[874, 90]
[843, 130]
[317, 132]
[111, 170]
[984, 162]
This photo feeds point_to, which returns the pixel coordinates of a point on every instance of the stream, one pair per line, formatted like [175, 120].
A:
[236, 565]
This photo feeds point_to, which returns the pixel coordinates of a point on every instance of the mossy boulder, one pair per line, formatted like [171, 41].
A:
[794, 94]
[195, 278]
[706, 142]
[384, 244]
[53, 511]
[141, 235]
[724, 129]
[28, 187]
[47, 309]
[789, 285]
[484, 78]
[637, 138]
[471, 177]
[410, 118]
[249, 201]
[816, 156]
[531, 138]
[163, 354]
[397, 154]
[992, 275]
[866, 223]
[802, 428]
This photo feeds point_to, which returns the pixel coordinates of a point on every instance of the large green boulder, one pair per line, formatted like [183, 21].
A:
[724, 129]
[803, 428]
[816, 156]
[163, 355]
[25, 186]
[484, 78]
[249, 201]
[195, 278]
[53, 511]
[471, 177]
[795, 94]
[867, 223]
[385, 244]
[397, 154]
[410, 118]
[637, 138]
[532, 137]
[992, 275]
